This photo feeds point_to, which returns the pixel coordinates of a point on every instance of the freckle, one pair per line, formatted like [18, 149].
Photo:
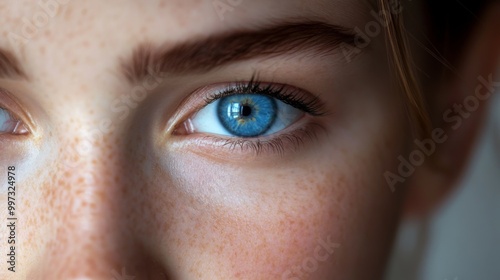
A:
[68, 14]
[42, 50]
[47, 33]
[84, 12]
[84, 88]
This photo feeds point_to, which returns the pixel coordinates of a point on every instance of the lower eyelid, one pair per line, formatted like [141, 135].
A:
[283, 143]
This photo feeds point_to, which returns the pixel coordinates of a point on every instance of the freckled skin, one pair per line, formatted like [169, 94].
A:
[129, 199]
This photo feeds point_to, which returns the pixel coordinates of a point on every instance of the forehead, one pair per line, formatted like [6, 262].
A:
[61, 33]
[35, 20]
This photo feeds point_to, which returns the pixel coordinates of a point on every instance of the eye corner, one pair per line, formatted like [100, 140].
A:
[11, 124]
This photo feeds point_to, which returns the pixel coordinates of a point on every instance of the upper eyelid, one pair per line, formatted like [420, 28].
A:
[235, 86]
[304, 100]
[194, 101]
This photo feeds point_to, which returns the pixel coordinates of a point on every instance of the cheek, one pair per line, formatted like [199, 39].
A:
[319, 216]
[245, 222]
[69, 206]
[324, 214]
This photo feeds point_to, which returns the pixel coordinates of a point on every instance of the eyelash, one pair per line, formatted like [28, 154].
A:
[291, 96]
[278, 143]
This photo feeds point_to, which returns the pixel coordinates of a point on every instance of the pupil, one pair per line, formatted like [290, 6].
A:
[246, 110]
[247, 115]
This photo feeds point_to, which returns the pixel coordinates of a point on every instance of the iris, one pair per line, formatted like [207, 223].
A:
[247, 115]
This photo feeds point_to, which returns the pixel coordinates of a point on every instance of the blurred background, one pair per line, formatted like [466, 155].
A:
[462, 241]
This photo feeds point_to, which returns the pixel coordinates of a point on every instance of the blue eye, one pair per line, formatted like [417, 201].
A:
[245, 115]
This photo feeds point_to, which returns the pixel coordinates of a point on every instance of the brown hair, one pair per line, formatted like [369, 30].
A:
[449, 24]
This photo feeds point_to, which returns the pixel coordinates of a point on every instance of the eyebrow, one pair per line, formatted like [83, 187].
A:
[202, 55]
[10, 66]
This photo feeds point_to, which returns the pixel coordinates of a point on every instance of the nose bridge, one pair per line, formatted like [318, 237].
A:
[89, 239]
[89, 232]
[95, 178]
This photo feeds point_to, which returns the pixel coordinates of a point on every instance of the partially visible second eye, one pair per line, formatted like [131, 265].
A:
[245, 115]
[11, 125]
